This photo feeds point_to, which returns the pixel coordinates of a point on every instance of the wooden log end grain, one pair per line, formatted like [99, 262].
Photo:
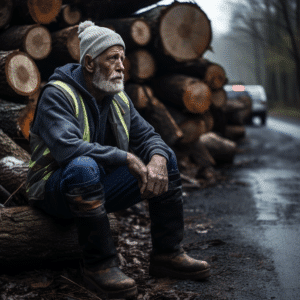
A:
[185, 31]
[44, 11]
[139, 94]
[6, 9]
[18, 72]
[70, 15]
[215, 76]
[140, 32]
[197, 97]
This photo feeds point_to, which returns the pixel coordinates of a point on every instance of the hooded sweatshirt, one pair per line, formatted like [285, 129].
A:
[57, 125]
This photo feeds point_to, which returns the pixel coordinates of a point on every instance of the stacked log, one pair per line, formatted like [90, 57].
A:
[170, 83]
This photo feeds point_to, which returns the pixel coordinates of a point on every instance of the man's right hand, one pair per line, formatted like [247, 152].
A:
[138, 169]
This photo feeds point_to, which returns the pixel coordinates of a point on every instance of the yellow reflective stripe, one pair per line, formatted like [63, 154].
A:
[46, 151]
[47, 176]
[86, 132]
[121, 118]
[67, 88]
[124, 98]
[31, 163]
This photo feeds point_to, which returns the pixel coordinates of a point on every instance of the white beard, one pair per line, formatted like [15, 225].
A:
[108, 86]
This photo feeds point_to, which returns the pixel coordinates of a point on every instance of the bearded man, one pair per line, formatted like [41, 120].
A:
[92, 154]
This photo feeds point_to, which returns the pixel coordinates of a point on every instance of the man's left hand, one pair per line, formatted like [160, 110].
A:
[157, 175]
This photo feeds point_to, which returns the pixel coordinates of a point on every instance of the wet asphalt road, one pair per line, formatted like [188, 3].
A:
[256, 213]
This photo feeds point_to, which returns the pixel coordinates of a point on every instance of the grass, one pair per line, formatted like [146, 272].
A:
[280, 110]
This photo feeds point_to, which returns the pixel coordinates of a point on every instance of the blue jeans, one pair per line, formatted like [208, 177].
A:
[117, 190]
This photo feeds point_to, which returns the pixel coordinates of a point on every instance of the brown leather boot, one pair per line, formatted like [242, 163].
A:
[112, 282]
[178, 265]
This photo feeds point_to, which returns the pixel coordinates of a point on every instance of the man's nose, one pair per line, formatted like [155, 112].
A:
[120, 65]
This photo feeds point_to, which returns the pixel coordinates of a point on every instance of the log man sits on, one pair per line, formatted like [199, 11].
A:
[93, 154]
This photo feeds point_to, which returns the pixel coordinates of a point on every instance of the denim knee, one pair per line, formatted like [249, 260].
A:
[81, 171]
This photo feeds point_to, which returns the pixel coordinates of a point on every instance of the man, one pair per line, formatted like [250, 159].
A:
[92, 154]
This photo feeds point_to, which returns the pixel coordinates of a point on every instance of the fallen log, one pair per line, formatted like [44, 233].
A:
[237, 111]
[142, 65]
[66, 44]
[9, 148]
[9, 114]
[36, 11]
[13, 174]
[235, 132]
[219, 98]
[35, 40]
[31, 238]
[192, 129]
[209, 120]
[220, 119]
[183, 92]
[68, 16]
[222, 150]
[6, 10]
[182, 31]
[135, 32]
[139, 94]
[19, 76]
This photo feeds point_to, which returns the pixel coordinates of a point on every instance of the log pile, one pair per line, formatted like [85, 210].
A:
[170, 83]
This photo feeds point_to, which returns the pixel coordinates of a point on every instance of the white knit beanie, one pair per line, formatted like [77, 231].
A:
[94, 39]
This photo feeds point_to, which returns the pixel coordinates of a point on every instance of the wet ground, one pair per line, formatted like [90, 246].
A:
[246, 226]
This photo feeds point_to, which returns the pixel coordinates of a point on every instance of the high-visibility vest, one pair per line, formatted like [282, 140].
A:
[42, 164]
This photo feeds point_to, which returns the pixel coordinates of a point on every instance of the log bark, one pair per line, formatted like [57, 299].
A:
[181, 30]
[221, 149]
[183, 92]
[9, 114]
[211, 73]
[19, 76]
[209, 120]
[31, 238]
[235, 132]
[13, 174]
[159, 117]
[238, 110]
[36, 11]
[192, 129]
[142, 65]
[35, 40]
[139, 94]
[9, 148]
[6, 10]
[66, 44]
[220, 119]
[136, 32]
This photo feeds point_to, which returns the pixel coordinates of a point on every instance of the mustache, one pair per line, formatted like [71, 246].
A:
[117, 77]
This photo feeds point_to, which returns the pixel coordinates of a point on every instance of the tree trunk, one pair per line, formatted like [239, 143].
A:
[142, 65]
[135, 32]
[181, 30]
[219, 98]
[221, 149]
[6, 10]
[9, 114]
[159, 117]
[35, 40]
[13, 174]
[9, 148]
[66, 44]
[19, 76]
[30, 238]
[36, 11]
[183, 92]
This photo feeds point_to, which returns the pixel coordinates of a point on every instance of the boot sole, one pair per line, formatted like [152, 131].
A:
[121, 294]
[159, 271]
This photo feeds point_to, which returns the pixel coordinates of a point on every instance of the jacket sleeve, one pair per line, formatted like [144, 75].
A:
[143, 140]
[59, 128]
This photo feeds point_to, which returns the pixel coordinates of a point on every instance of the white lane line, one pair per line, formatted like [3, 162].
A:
[283, 127]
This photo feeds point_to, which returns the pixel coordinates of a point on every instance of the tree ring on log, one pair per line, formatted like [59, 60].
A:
[73, 43]
[181, 28]
[140, 32]
[194, 96]
[37, 42]
[6, 8]
[22, 74]
[44, 11]
[71, 16]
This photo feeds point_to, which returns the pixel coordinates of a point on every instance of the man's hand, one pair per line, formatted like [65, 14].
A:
[157, 175]
[138, 169]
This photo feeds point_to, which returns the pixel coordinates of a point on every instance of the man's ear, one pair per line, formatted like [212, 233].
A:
[89, 64]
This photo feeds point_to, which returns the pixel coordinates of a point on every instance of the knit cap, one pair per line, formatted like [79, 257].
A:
[95, 39]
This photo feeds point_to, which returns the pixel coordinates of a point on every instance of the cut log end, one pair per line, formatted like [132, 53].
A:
[197, 97]
[22, 73]
[44, 11]
[73, 43]
[141, 32]
[71, 16]
[215, 76]
[38, 42]
[185, 31]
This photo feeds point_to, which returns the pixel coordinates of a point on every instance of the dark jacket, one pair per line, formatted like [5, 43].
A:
[56, 124]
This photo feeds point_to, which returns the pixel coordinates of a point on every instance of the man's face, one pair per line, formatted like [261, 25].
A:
[109, 73]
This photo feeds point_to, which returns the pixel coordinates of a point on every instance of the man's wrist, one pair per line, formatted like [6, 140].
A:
[159, 158]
